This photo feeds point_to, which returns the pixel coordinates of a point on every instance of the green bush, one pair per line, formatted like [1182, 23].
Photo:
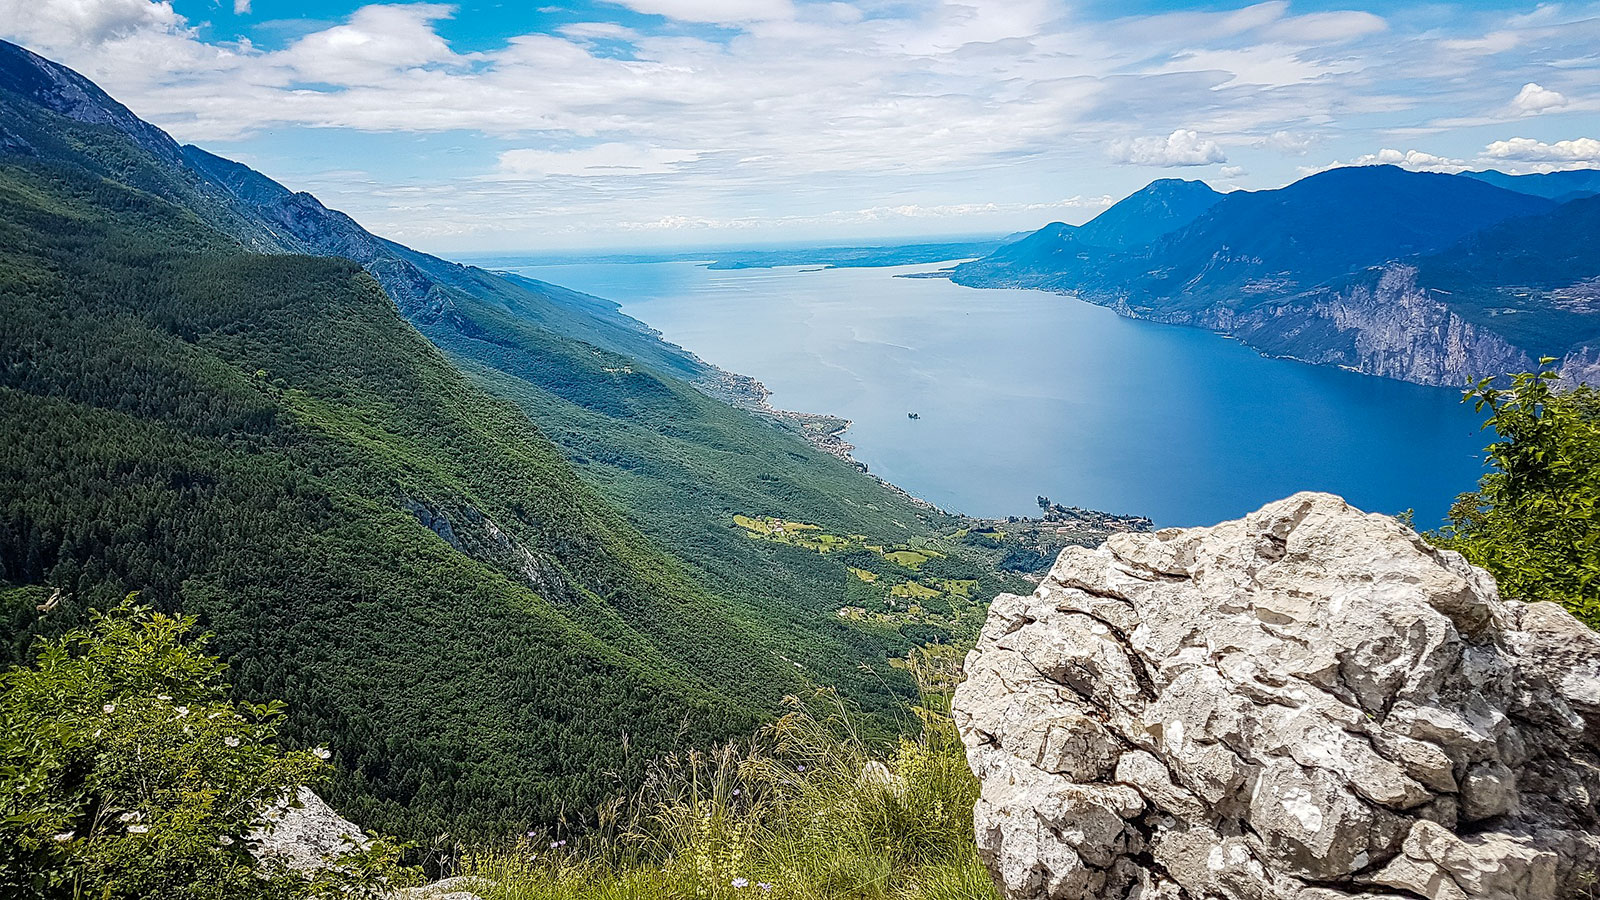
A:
[126, 772]
[1534, 522]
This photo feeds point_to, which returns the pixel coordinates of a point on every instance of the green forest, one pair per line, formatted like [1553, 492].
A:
[530, 534]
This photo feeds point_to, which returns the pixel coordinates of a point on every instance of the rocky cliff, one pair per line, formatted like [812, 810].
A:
[1384, 324]
[1309, 703]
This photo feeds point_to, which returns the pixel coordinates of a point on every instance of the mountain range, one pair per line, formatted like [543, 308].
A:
[1425, 277]
[497, 544]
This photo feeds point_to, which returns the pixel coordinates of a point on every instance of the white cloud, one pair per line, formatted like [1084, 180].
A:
[601, 159]
[1327, 28]
[86, 23]
[1535, 99]
[1181, 148]
[241, 7]
[804, 108]
[1578, 152]
[724, 12]
[1415, 160]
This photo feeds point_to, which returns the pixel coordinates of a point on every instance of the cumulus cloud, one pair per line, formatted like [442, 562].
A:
[1535, 99]
[1180, 148]
[241, 7]
[1577, 152]
[87, 23]
[1415, 160]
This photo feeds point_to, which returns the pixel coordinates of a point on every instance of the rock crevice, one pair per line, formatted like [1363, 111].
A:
[1306, 704]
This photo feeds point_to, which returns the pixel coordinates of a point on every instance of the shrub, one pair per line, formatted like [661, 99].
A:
[126, 772]
[1534, 522]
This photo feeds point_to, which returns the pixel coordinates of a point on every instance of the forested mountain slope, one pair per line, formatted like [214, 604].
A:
[492, 608]
[1266, 265]
[262, 440]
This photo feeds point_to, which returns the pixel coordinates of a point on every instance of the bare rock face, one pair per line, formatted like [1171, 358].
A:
[308, 835]
[1306, 704]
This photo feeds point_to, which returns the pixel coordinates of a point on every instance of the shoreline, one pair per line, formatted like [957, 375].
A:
[824, 432]
[820, 430]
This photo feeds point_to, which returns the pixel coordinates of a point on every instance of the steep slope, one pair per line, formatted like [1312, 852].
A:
[264, 441]
[1494, 302]
[1161, 207]
[409, 559]
[619, 402]
[1057, 249]
[1253, 255]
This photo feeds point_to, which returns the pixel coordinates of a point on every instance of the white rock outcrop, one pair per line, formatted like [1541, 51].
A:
[1309, 703]
[309, 835]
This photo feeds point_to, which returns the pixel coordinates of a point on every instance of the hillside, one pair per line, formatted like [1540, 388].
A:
[1266, 265]
[535, 534]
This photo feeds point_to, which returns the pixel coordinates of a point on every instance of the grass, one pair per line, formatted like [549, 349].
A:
[804, 810]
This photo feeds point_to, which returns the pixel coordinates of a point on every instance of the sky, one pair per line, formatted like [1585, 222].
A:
[506, 127]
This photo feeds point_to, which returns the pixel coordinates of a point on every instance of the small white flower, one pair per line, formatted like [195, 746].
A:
[740, 882]
[225, 841]
[181, 712]
[134, 816]
[63, 837]
[214, 715]
[163, 697]
[109, 708]
[138, 829]
[322, 753]
[231, 741]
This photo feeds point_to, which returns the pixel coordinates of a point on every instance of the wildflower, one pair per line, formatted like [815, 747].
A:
[765, 886]
[215, 715]
[138, 829]
[109, 708]
[225, 841]
[163, 697]
[561, 843]
[63, 837]
[231, 741]
[554, 844]
[134, 816]
[181, 712]
[736, 792]
[533, 834]
[322, 753]
[740, 882]
[801, 767]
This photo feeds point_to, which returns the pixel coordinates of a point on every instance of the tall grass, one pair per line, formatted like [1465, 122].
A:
[804, 810]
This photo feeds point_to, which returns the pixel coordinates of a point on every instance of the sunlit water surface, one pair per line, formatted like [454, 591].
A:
[1022, 393]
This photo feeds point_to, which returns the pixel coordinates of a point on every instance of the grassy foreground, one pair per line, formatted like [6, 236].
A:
[805, 809]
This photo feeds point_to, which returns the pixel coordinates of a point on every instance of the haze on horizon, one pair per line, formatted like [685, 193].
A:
[656, 123]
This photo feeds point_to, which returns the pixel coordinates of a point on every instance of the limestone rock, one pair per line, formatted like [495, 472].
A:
[309, 835]
[1309, 703]
[306, 835]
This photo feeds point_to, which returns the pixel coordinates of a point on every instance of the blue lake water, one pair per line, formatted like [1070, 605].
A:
[1023, 393]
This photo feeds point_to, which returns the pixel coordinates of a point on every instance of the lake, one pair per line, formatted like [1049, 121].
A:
[1023, 393]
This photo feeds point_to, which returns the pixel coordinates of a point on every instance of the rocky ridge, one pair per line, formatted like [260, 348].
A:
[1309, 703]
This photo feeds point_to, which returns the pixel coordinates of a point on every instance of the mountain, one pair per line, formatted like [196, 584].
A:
[1265, 265]
[1161, 207]
[497, 544]
[1570, 185]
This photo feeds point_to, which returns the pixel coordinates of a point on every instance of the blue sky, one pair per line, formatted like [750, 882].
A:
[520, 126]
